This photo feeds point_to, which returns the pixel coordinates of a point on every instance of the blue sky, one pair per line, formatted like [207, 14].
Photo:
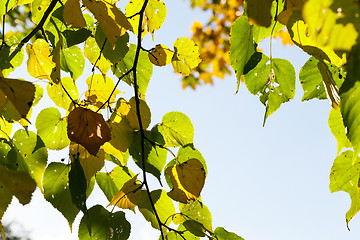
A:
[263, 183]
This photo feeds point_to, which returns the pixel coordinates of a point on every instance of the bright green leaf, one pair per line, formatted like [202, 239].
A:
[177, 129]
[72, 60]
[10, 57]
[59, 96]
[92, 52]
[52, 128]
[186, 56]
[337, 128]
[197, 211]
[222, 234]
[256, 79]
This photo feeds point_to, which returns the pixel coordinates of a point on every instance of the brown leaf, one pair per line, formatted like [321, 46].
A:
[88, 128]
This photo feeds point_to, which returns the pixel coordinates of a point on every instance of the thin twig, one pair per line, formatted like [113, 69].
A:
[101, 50]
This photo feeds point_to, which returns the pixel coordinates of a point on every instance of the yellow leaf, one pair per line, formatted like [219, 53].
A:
[92, 52]
[161, 55]
[5, 128]
[20, 93]
[128, 110]
[19, 183]
[129, 195]
[40, 63]
[259, 12]
[88, 128]
[55, 73]
[90, 164]
[112, 21]
[99, 89]
[188, 179]
[73, 15]
[186, 56]
[58, 95]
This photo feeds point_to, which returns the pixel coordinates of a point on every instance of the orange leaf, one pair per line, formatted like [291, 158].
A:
[88, 128]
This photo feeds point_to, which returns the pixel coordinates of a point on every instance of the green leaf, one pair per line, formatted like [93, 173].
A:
[114, 55]
[163, 205]
[38, 8]
[56, 190]
[337, 128]
[344, 176]
[72, 60]
[186, 56]
[9, 153]
[111, 183]
[74, 37]
[222, 234]
[260, 32]
[92, 52]
[177, 236]
[349, 93]
[155, 156]
[78, 185]
[59, 96]
[32, 156]
[5, 200]
[197, 211]
[18, 183]
[6, 5]
[177, 129]
[52, 128]
[98, 223]
[143, 72]
[242, 45]
[257, 77]
[10, 57]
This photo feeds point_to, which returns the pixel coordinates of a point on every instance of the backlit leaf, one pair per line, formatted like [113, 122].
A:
[98, 223]
[143, 72]
[344, 176]
[73, 14]
[289, 8]
[128, 110]
[10, 56]
[40, 62]
[88, 128]
[112, 21]
[259, 12]
[188, 179]
[5, 200]
[176, 129]
[161, 55]
[337, 128]
[222, 234]
[163, 205]
[20, 93]
[72, 60]
[92, 52]
[99, 89]
[58, 95]
[38, 7]
[242, 46]
[129, 195]
[18, 183]
[197, 211]
[51, 127]
[5, 128]
[32, 156]
[186, 56]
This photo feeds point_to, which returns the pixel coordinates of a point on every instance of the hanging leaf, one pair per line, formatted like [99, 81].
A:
[59, 96]
[40, 62]
[73, 14]
[222, 234]
[88, 128]
[5, 200]
[10, 56]
[344, 176]
[99, 89]
[51, 127]
[128, 110]
[161, 55]
[259, 12]
[196, 218]
[98, 223]
[32, 156]
[19, 184]
[78, 185]
[129, 195]
[20, 93]
[256, 78]
[112, 21]
[92, 52]
[188, 179]
[176, 129]
[290, 7]
[337, 128]
[72, 60]
[163, 205]
[242, 46]
[186, 56]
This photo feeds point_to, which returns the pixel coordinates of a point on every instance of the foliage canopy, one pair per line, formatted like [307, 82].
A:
[99, 126]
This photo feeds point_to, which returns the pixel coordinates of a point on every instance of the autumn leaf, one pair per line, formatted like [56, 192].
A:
[188, 179]
[259, 12]
[39, 64]
[129, 195]
[20, 93]
[73, 15]
[186, 56]
[113, 22]
[88, 128]
[161, 55]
